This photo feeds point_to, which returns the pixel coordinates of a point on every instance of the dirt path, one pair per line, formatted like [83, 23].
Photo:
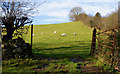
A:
[87, 67]
[82, 65]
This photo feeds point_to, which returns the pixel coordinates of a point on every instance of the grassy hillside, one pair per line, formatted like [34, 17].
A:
[51, 41]
[53, 52]
[83, 32]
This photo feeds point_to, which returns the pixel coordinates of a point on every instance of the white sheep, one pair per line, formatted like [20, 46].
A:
[42, 33]
[74, 33]
[55, 32]
[32, 34]
[63, 34]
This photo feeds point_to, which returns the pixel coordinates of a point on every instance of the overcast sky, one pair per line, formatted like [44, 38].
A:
[56, 11]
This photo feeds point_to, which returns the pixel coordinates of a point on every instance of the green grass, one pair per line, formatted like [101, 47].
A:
[50, 43]
[53, 49]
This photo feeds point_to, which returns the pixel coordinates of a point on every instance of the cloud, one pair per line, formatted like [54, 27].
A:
[60, 9]
[101, 0]
[60, 1]
[58, 13]
[55, 9]
[104, 9]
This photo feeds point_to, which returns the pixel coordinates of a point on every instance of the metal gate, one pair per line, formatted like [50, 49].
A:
[106, 47]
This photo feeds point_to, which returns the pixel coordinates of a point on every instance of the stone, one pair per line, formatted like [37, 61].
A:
[16, 48]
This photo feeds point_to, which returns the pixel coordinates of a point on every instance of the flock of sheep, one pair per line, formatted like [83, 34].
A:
[63, 34]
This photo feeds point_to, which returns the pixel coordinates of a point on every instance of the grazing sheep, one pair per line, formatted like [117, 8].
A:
[74, 33]
[55, 32]
[32, 34]
[63, 34]
[42, 33]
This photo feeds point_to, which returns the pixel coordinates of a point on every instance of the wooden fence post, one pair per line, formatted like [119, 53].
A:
[0, 33]
[31, 37]
[93, 45]
[119, 25]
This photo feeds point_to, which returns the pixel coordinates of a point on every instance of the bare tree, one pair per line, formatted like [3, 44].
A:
[74, 12]
[112, 20]
[14, 16]
[96, 22]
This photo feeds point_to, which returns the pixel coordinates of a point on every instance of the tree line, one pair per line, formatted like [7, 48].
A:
[108, 22]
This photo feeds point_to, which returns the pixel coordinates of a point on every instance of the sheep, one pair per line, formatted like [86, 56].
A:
[55, 32]
[74, 33]
[32, 34]
[63, 34]
[42, 33]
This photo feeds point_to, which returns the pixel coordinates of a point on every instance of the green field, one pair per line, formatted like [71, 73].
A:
[55, 44]
[53, 52]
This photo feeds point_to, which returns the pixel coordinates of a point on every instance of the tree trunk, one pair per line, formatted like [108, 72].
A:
[8, 36]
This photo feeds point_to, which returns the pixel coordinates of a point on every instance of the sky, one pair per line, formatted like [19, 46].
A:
[57, 11]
